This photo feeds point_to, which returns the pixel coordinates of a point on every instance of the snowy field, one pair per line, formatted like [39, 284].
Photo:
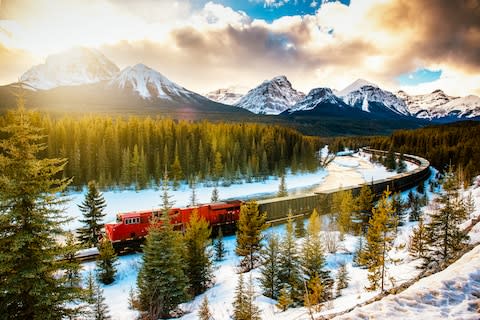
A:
[447, 294]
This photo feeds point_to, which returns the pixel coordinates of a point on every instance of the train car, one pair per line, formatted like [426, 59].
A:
[130, 229]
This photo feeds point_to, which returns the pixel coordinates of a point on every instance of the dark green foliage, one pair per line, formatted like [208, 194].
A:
[390, 162]
[414, 204]
[72, 266]
[270, 270]
[421, 187]
[399, 209]
[282, 187]
[418, 241]
[250, 225]
[455, 144]
[92, 208]
[219, 246]
[300, 227]
[161, 281]
[215, 196]
[342, 279]
[289, 265]
[364, 206]
[444, 236]
[197, 258]
[32, 284]
[134, 152]
[401, 165]
[97, 308]
[106, 262]
[243, 304]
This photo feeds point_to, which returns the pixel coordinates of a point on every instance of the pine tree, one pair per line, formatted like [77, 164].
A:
[444, 236]
[284, 299]
[315, 293]
[204, 312]
[161, 281]
[414, 205]
[240, 300]
[312, 256]
[215, 196]
[289, 266]
[31, 285]
[193, 196]
[390, 162]
[401, 166]
[282, 188]
[375, 254]
[251, 312]
[364, 206]
[269, 270]
[198, 264]
[418, 240]
[219, 246]
[72, 266]
[399, 210]
[106, 262]
[342, 279]
[347, 206]
[421, 188]
[92, 208]
[300, 227]
[250, 225]
[90, 288]
[98, 308]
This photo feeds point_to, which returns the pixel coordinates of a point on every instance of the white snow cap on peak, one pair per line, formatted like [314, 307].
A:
[76, 66]
[356, 85]
[147, 82]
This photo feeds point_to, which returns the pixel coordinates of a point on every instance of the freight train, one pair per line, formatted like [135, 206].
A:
[131, 228]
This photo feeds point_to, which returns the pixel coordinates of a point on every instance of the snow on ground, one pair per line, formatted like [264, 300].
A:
[452, 293]
[222, 293]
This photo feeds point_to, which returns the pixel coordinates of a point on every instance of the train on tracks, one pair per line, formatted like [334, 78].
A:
[130, 229]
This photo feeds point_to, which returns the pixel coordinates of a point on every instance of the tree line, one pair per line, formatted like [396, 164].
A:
[130, 152]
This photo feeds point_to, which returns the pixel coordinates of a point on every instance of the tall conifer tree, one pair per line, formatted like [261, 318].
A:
[249, 234]
[92, 208]
[31, 281]
[270, 270]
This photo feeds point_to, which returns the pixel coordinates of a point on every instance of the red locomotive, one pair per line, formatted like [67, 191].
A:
[132, 227]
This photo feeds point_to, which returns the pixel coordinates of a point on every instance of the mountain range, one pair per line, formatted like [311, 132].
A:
[83, 80]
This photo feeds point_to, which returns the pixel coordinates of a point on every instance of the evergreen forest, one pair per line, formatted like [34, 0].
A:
[134, 152]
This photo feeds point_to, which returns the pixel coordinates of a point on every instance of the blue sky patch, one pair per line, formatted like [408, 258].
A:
[419, 76]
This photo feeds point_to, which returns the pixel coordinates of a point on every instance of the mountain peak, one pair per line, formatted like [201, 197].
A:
[230, 95]
[356, 85]
[271, 97]
[147, 82]
[76, 66]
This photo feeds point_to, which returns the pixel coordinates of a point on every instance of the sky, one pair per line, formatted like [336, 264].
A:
[415, 46]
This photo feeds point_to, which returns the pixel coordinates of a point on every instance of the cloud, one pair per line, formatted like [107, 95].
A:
[211, 46]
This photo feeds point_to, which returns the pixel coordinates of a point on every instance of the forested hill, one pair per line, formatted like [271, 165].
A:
[119, 152]
[456, 144]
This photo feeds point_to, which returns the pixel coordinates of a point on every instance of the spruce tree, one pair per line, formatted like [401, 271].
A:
[284, 299]
[269, 270]
[347, 206]
[92, 208]
[390, 161]
[401, 166]
[282, 187]
[315, 293]
[240, 300]
[204, 312]
[364, 206]
[31, 281]
[399, 210]
[193, 195]
[342, 279]
[250, 225]
[72, 266]
[161, 281]
[252, 312]
[312, 256]
[414, 205]
[379, 238]
[98, 308]
[444, 236]
[418, 241]
[289, 266]
[215, 196]
[219, 246]
[300, 227]
[106, 262]
[198, 264]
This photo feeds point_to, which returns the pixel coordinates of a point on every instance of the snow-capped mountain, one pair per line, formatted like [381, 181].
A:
[76, 66]
[230, 95]
[148, 83]
[370, 98]
[316, 98]
[271, 97]
[438, 105]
